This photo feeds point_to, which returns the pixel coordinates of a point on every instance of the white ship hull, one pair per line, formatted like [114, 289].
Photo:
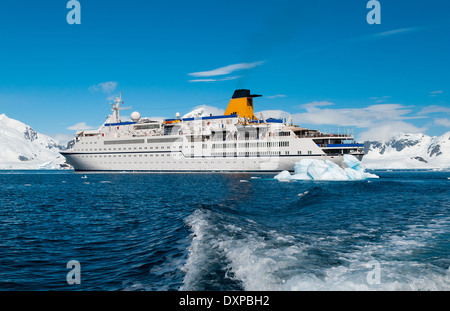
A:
[178, 163]
[233, 142]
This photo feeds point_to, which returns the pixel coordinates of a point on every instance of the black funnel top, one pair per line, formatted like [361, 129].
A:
[242, 93]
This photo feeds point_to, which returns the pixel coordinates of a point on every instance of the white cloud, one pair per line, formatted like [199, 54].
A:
[436, 93]
[276, 96]
[386, 130]
[313, 105]
[396, 32]
[442, 121]
[380, 99]
[434, 109]
[215, 80]
[80, 126]
[61, 138]
[226, 69]
[381, 121]
[105, 87]
[389, 33]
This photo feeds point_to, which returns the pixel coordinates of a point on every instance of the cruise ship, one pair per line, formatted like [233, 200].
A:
[236, 141]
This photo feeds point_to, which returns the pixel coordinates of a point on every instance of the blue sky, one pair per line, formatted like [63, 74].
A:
[317, 60]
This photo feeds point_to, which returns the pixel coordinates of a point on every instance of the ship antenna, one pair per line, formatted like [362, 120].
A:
[115, 108]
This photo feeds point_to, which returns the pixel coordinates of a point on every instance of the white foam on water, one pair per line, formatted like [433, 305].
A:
[273, 261]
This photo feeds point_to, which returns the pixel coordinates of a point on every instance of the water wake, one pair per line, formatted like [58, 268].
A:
[242, 253]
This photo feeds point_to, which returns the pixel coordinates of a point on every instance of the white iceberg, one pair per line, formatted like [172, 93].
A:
[283, 176]
[312, 169]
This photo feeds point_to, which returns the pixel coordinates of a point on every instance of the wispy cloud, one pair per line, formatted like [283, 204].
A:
[389, 33]
[313, 105]
[215, 80]
[276, 96]
[436, 93]
[80, 126]
[226, 69]
[396, 32]
[105, 87]
[434, 109]
[380, 99]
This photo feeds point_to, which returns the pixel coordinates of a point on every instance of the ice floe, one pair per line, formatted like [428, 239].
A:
[313, 169]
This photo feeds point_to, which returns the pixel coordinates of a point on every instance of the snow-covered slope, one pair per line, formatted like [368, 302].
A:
[23, 148]
[204, 111]
[408, 151]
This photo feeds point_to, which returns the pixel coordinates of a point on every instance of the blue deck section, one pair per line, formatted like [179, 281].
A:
[270, 120]
[202, 118]
[119, 124]
[343, 145]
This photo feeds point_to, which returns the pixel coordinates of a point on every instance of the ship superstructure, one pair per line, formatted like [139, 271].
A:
[237, 141]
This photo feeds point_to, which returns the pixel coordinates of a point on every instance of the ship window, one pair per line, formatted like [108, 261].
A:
[299, 152]
[309, 152]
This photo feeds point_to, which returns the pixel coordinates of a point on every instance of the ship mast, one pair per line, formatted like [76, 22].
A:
[115, 109]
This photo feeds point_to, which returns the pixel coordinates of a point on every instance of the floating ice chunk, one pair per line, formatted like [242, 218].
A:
[307, 169]
[301, 169]
[243, 180]
[283, 176]
[352, 161]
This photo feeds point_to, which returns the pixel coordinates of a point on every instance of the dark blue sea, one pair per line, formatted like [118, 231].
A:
[171, 232]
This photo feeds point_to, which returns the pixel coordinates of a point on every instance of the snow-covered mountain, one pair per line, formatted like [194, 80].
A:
[407, 151]
[204, 111]
[21, 147]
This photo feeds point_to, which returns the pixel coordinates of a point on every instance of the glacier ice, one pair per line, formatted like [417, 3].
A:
[312, 169]
[283, 176]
